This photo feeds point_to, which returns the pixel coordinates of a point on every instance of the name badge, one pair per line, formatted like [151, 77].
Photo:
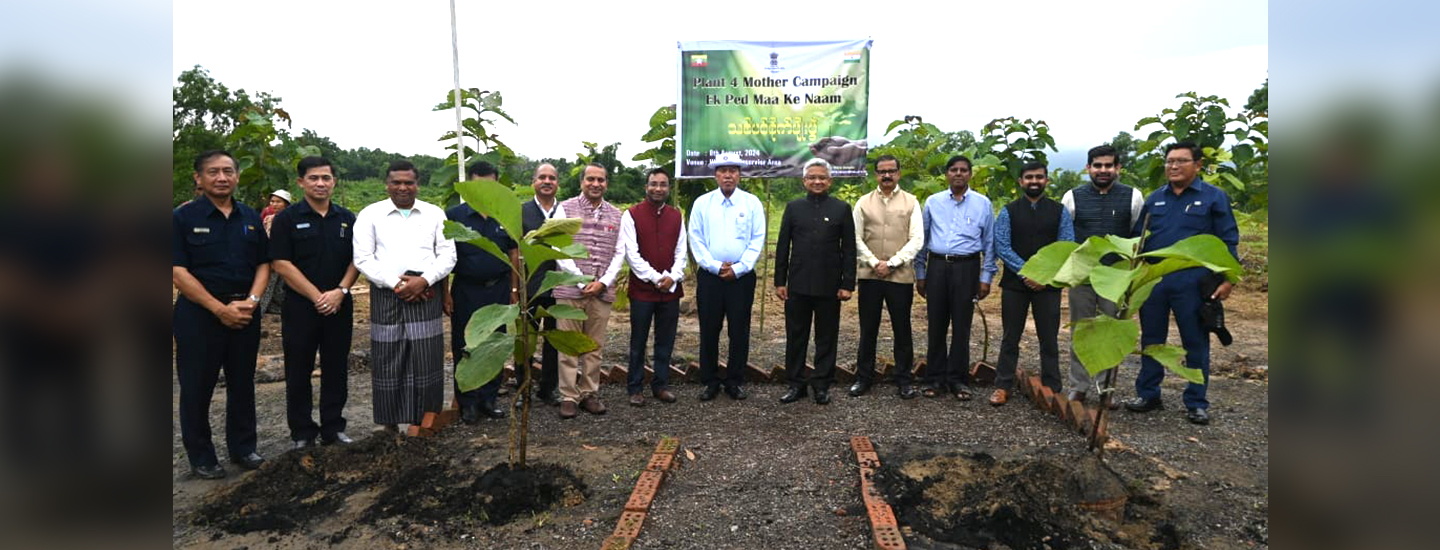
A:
[202, 229]
[1197, 203]
[305, 225]
[1160, 203]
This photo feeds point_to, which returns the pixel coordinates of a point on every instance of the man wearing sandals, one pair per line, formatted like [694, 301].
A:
[953, 272]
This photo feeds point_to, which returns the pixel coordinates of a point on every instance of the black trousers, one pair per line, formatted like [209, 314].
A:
[897, 297]
[468, 299]
[800, 312]
[950, 290]
[203, 348]
[666, 316]
[305, 331]
[549, 381]
[729, 302]
[1014, 306]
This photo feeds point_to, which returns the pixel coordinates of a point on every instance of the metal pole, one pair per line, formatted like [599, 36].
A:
[459, 129]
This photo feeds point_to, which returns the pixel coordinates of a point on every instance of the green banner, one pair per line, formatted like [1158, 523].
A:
[776, 104]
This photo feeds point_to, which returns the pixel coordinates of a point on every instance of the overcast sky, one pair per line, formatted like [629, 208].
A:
[366, 73]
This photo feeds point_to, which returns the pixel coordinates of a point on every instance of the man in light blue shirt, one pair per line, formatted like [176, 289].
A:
[727, 231]
[953, 272]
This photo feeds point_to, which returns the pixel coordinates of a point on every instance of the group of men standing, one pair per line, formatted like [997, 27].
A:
[890, 244]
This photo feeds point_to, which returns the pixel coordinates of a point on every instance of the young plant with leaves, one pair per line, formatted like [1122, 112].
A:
[477, 129]
[487, 346]
[1102, 342]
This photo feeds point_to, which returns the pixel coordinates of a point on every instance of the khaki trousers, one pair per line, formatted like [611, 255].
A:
[580, 376]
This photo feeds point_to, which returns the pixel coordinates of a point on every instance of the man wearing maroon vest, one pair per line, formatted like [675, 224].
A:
[651, 234]
[600, 234]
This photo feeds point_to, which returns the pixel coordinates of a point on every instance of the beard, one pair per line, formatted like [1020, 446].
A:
[1103, 184]
[1034, 192]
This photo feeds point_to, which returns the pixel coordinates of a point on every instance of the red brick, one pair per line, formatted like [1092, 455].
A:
[919, 369]
[668, 445]
[413, 431]
[1077, 415]
[449, 416]
[861, 444]
[616, 543]
[660, 462]
[428, 421]
[868, 459]
[757, 373]
[640, 499]
[1022, 382]
[880, 514]
[1047, 398]
[887, 537]
[629, 525]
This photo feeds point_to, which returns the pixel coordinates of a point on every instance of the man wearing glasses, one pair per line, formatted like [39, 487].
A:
[1186, 207]
[889, 231]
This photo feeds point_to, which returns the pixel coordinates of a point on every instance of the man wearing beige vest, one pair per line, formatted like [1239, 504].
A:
[889, 230]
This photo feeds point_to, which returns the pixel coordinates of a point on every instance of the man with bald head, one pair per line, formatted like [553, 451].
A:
[546, 183]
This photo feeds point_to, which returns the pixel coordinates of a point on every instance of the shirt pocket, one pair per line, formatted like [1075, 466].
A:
[742, 227]
[306, 243]
[1196, 217]
[204, 248]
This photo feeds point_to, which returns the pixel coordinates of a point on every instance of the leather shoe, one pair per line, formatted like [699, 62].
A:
[470, 414]
[592, 405]
[999, 397]
[795, 393]
[1198, 416]
[860, 388]
[664, 395]
[302, 444]
[213, 471]
[568, 409]
[822, 397]
[248, 462]
[491, 409]
[1073, 395]
[907, 392]
[339, 438]
[1141, 404]
[709, 393]
[735, 392]
[637, 400]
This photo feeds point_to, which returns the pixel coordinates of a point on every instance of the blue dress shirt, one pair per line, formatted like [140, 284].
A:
[1200, 209]
[1004, 252]
[965, 226]
[727, 229]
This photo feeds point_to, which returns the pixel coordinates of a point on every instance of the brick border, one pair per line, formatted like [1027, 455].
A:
[883, 527]
[647, 486]
[1073, 414]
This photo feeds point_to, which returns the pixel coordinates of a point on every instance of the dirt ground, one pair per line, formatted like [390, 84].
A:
[754, 473]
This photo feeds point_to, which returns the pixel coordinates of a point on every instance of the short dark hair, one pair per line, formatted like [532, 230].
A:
[309, 163]
[958, 158]
[658, 171]
[883, 158]
[1101, 151]
[201, 158]
[401, 165]
[481, 169]
[596, 165]
[1034, 165]
[1194, 149]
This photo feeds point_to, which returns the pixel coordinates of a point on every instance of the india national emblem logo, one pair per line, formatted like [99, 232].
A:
[699, 60]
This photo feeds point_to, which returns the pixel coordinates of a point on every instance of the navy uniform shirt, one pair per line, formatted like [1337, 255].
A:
[1200, 209]
[222, 253]
[320, 247]
[472, 264]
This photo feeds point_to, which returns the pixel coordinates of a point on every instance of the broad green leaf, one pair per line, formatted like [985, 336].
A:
[562, 311]
[493, 199]
[559, 278]
[570, 342]
[1233, 180]
[561, 240]
[1206, 250]
[487, 319]
[536, 254]
[554, 226]
[893, 125]
[483, 361]
[575, 250]
[1139, 295]
[1111, 283]
[1046, 262]
[1102, 342]
[1173, 357]
[458, 231]
[1077, 267]
[1124, 247]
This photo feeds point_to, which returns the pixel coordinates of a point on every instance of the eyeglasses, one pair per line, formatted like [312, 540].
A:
[1178, 162]
[816, 178]
[887, 172]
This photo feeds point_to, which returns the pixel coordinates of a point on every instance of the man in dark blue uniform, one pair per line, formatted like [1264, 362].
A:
[1186, 207]
[480, 279]
[312, 248]
[220, 264]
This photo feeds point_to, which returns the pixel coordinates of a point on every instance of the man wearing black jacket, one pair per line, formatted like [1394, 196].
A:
[533, 214]
[814, 272]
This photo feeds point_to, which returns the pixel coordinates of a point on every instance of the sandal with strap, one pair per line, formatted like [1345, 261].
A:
[930, 392]
[963, 394]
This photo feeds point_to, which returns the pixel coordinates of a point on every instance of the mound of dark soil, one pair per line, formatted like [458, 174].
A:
[977, 500]
[437, 494]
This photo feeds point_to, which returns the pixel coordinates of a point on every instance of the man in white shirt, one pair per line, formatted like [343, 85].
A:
[400, 247]
[652, 234]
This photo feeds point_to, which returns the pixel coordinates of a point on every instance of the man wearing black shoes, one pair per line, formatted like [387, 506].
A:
[814, 272]
[889, 231]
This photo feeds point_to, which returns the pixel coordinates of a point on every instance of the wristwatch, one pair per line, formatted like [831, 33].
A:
[345, 290]
[253, 298]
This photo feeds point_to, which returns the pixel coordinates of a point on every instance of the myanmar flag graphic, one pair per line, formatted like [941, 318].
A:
[698, 60]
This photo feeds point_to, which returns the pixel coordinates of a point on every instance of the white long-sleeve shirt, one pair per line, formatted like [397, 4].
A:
[388, 243]
[642, 268]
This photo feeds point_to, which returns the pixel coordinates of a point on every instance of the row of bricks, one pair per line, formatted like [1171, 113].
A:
[883, 524]
[690, 372]
[646, 487]
[1073, 413]
[432, 423]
